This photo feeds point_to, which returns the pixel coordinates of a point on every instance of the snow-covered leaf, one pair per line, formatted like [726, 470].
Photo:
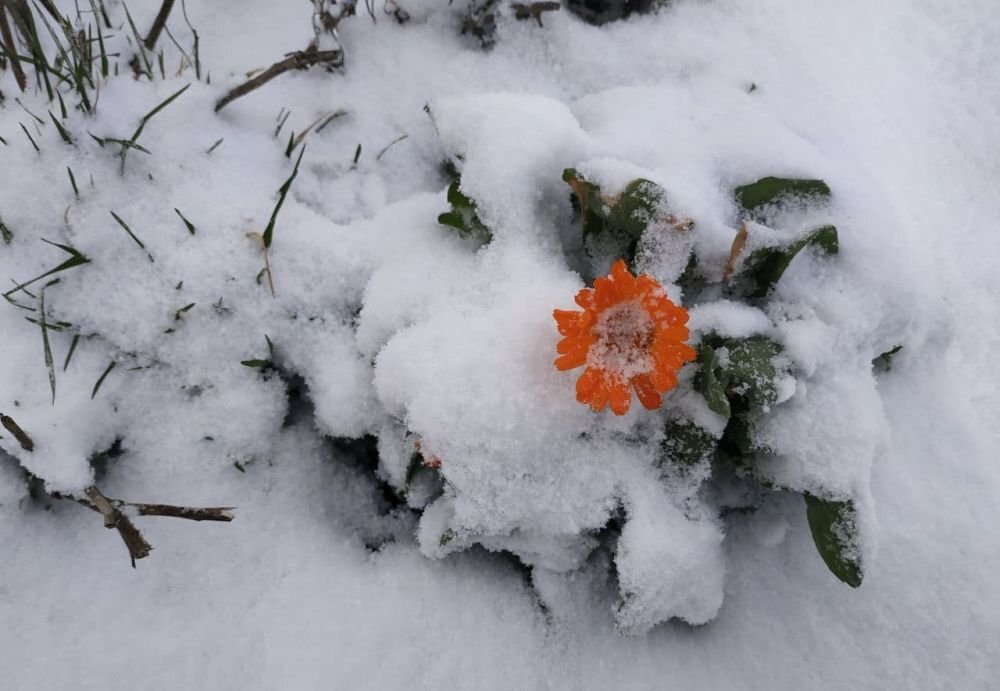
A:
[832, 524]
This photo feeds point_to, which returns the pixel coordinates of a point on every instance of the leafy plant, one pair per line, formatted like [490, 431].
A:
[613, 225]
[463, 216]
[738, 377]
[741, 379]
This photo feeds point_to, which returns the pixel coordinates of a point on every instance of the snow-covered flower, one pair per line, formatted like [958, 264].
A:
[629, 333]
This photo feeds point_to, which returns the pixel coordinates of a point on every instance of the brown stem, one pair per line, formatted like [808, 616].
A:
[158, 24]
[298, 60]
[7, 42]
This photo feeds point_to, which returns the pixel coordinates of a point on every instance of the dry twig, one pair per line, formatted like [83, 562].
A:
[115, 511]
[298, 60]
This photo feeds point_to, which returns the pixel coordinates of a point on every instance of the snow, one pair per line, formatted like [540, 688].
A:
[400, 329]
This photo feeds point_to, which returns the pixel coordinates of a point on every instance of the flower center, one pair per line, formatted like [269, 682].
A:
[624, 336]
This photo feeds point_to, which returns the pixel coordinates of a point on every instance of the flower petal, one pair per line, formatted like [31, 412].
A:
[672, 353]
[566, 320]
[624, 281]
[646, 391]
[619, 269]
[663, 379]
[620, 396]
[571, 360]
[588, 382]
[671, 334]
[573, 343]
[599, 396]
[605, 294]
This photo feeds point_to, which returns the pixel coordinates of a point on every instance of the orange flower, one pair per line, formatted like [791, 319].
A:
[629, 333]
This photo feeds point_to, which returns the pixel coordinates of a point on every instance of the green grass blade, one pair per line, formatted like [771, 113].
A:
[282, 193]
[138, 43]
[62, 130]
[46, 346]
[72, 181]
[72, 349]
[188, 224]
[97, 386]
[151, 114]
[132, 235]
[30, 139]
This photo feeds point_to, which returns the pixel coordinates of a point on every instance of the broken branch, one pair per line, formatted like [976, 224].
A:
[114, 511]
[158, 24]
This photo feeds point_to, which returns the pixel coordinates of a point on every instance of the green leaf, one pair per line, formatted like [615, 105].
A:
[463, 216]
[764, 267]
[687, 444]
[833, 525]
[750, 371]
[771, 190]
[416, 462]
[613, 227]
[709, 383]
[737, 439]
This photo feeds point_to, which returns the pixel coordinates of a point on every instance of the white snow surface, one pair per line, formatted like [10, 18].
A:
[401, 329]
